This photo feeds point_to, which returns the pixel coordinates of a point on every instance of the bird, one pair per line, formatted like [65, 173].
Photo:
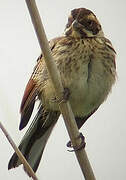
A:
[85, 59]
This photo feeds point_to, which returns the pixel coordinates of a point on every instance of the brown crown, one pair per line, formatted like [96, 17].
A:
[79, 13]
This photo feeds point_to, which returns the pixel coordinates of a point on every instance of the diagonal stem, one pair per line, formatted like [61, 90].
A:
[18, 152]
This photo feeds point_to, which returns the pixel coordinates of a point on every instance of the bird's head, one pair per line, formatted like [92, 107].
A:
[83, 23]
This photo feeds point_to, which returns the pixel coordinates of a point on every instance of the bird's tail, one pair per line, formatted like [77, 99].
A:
[35, 139]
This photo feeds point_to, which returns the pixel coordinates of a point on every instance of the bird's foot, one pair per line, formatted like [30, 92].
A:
[77, 148]
[64, 99]
[66, 94]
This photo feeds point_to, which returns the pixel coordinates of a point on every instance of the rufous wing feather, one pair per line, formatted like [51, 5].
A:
[27, 103]
[31, 92]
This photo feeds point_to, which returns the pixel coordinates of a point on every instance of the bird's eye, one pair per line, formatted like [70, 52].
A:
[87, 23]
[90, 23]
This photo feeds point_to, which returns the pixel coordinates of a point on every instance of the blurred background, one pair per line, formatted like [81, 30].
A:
[105, 131]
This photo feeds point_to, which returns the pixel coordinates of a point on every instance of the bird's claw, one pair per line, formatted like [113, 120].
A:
[77, 148]
[66, 94]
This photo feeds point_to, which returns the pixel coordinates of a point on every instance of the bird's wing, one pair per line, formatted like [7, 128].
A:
[31, 91]
[28, 101]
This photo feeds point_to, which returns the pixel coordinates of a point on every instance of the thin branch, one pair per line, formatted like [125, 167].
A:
[56, 80]
[18, 152]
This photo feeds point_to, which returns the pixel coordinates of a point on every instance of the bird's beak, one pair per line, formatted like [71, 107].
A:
[75, 24]
[73, 28]
[78, 29]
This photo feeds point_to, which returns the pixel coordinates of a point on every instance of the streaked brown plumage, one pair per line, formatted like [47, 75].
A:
[86, 61]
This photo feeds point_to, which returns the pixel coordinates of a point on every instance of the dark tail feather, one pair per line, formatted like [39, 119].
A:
[35, 139]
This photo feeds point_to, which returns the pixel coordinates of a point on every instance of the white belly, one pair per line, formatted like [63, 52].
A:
[90, 92]
[86, 93]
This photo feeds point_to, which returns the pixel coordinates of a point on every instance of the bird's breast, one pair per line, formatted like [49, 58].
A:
[85, 73]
